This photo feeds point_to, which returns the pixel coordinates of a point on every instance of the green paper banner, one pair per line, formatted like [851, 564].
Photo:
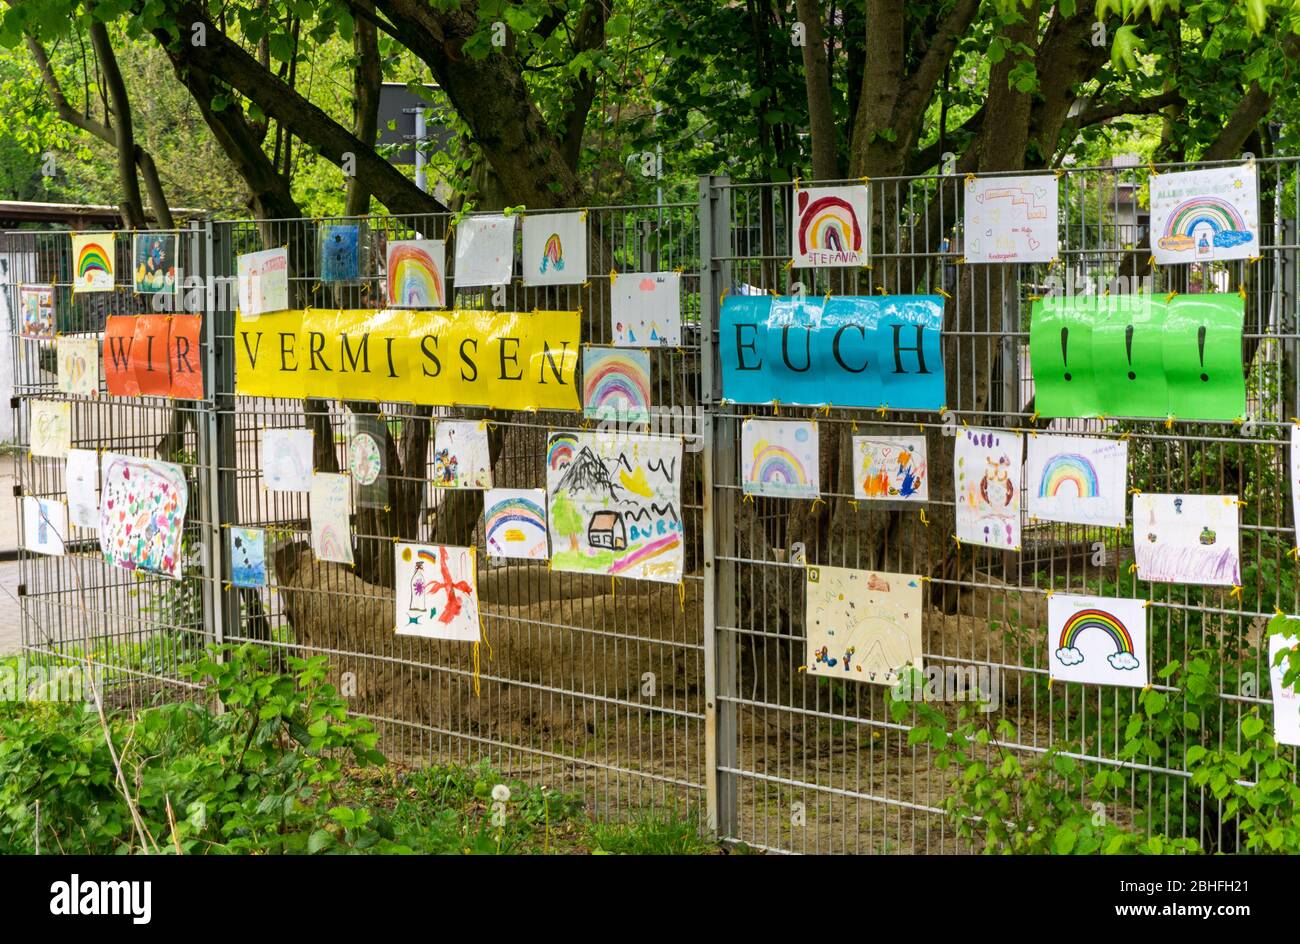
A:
[1139, 355]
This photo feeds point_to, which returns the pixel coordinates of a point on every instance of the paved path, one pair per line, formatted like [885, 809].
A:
[10, 637]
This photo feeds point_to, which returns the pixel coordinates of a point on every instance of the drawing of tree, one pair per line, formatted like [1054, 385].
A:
[567, 519]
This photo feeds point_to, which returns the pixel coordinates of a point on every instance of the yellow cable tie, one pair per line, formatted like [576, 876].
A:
[882, 291]
[749, 497]
[883, 409]
[1049, 594]
[681, 594]
[1035, 298]
[945, 294]
[824, 410]
[776, 407]
[1169, 422]
[1294, 553]
[1254, 259]
[1152, 168]
[1135, 491]
[1145, 604]
[1132, 568]
[788, 265]
[1236, 592]
[970, 178]
[1034, 418]
[1277, 610]
[1170, 297]
[796, 185]
[1241, 290]
[1240, 501]
[818, 501]
[924, 520]
[1124, 436]
[613, 277]
[958, 540]
[853, 503]
[865, 180]
[1059, 172]
[1151, 262]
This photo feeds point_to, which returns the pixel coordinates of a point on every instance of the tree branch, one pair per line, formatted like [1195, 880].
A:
[1129, 106]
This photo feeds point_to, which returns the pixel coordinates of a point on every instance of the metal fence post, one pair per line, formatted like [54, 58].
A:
[219, 437]
[719, 576]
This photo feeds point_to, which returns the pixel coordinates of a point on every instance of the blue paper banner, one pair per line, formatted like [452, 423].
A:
[850, 350]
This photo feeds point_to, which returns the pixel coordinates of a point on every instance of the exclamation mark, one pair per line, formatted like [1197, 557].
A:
[1065, 337]
[1128, 346]
[1200, 344]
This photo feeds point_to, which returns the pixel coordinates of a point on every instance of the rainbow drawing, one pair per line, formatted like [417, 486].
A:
[560, 450]
[828, 223]
[415, 273]
[1069, 470]
[646, 552]
[1094, 618]
[94, 263]
[553, 254]
[776, 465]
[515, 522]
[1227, 226]
[616, 383]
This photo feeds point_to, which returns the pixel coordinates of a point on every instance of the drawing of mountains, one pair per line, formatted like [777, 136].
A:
[585, 474]
[653, 513]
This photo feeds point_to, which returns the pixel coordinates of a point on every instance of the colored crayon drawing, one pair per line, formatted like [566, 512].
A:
[615, 384]
[779, 458]
[142, 514]
[862, 626]
[891, 469]
[514, 523]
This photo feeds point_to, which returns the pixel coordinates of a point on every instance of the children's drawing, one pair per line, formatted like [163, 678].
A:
[340, 258]
[331, 531]
[514, 523]
[862, 626]
[36, 311]
[416, 273]
[1097, 639]
[1286, 705]
[615, 503]
[1011, 219]
[555, 249]
[45, 525]
[831, 226]
[142, 514]
[154, 262]
[93, 263]
[248, 557]
[81, 478]
[1077, 479]
[51, 428]
[1187, 539]
[779, 458]
[890, 468]
[462, 457]
[987, 464]
[437, 592]
[1205, 215]
[367, 459]
[615, 384]
[78, 365]
[287, 459]
[1295, 481]
[485, 250]
[263, 282]
[646, 309]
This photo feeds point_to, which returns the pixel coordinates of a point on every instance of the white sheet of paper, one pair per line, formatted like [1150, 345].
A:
[987, 468]
[1011, 219]
[555, 249]
[287, 459]
[832, 227]
[437, 592]
[462, 457]
[779, 458]
[1205, 215]
[82, 480]
[514, 523]
[1286, 704]
[646, 309]
[51, 428]
[485, 250]
[45, 525]
[263, 279]
[1097, 639]
[891, 469]
[862, 626]
[1077, 479]
[1187, 539]
[331, 530]
[78, 365]
[1295, 481]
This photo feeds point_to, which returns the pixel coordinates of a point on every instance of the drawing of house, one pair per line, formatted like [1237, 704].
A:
[607, 530]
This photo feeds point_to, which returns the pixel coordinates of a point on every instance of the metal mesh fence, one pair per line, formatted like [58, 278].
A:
[641, 695]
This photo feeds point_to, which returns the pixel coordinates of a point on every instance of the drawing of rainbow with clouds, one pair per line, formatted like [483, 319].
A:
[552, 254]
[94, 267]
[1202, 224]
[616, 384]
[414, 274]
[1068, 652]
[829, 224]
[515, 525]
[1069, 471]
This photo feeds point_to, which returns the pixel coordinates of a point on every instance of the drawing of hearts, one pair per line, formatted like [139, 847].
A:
[1040, 193]
[988, 232]
[647, 285]
[1034, 243]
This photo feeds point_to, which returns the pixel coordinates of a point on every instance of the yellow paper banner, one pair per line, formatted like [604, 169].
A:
[502, 360]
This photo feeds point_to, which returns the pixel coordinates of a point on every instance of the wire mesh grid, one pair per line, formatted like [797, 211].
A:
[642, 695]
[815, 765]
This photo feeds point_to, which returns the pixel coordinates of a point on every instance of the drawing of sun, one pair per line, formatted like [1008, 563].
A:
[406, 554]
